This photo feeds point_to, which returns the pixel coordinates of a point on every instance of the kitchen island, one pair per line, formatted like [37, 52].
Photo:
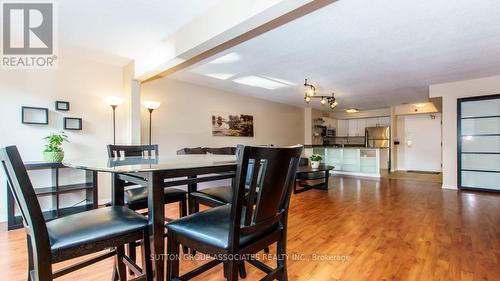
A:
[354, 161]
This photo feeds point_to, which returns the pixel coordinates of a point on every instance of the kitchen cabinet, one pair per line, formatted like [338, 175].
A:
[384, 121]
[353, 161]
[372, 122]
[330, 122]
[378, 122]
[343, 128]
[353, 127]
[356, 127]
[361, 127]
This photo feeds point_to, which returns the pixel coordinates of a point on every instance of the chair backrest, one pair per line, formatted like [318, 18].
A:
[269, 189]
[25, 197]
[132, 150]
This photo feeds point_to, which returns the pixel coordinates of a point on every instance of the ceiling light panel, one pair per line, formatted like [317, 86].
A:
[220, 76]
[256, 81]
[225, 59]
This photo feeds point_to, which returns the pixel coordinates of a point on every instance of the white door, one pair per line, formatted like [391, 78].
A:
[422, 144]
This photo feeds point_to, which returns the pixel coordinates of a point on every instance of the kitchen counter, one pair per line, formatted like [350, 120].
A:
[332, 146]
[355, 161]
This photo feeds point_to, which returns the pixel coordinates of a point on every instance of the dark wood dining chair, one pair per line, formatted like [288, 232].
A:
[76, 235]
[254, 220]
[136, 198]
[219, 195]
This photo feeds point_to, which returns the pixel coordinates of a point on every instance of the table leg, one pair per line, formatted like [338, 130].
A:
[117, 199]
[156, 217]
[117, 190]
[327, 177]
[193, 206]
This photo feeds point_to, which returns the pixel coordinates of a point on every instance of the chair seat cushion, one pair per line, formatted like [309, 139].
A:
[221, 194]
[92, 226]
[140, 194]
[211, 227]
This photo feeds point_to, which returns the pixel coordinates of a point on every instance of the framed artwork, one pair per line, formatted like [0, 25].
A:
[72, 123]
[232, 125]
[62, 105]
[34, 115]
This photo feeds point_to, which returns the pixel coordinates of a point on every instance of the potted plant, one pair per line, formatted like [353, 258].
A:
[53, 151]
[315, 160]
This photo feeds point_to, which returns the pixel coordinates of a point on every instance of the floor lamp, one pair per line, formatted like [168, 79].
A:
[151, 106]
[114, 102]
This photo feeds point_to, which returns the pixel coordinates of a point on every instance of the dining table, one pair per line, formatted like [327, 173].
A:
[157, 173]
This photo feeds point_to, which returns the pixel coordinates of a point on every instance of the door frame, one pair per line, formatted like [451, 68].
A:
[459, 139]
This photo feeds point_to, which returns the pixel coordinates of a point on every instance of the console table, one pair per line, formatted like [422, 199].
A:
[89, 185]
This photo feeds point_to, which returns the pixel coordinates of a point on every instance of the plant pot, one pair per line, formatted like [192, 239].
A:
[53, 157]
[315, 164]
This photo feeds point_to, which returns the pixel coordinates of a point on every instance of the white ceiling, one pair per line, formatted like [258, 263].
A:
[372, 54]
[120, 30]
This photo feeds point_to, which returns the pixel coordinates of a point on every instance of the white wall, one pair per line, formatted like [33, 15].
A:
[308, 125]
[184, 117]
[420, 142]
[81, 82]
[450, 92]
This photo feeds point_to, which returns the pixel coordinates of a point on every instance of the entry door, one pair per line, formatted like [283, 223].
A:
[423, 142]
[479, 143]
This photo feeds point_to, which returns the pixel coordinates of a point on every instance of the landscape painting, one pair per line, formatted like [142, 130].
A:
[232, 125]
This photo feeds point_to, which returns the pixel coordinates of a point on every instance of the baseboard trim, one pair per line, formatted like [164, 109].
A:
[103, 201]
[444, 186]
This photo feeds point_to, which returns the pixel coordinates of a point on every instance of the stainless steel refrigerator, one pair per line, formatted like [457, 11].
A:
[378, 137]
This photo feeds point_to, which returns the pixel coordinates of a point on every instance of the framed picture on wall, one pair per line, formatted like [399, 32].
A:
[34, 115]
[72, 123]
[62, 105]
[232, 125]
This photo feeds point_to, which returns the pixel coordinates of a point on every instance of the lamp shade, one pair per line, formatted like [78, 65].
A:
[112, 100]
[151, 104]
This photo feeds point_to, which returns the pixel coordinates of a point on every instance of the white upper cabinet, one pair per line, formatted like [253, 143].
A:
[330, 122]
[342, 128]
[384, 121]
[371, 122]
[356, 127]
[378, 122]
[353, 127]
[361, 127]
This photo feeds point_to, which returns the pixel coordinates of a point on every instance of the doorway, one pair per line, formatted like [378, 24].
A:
[422, 143]
[419, 149]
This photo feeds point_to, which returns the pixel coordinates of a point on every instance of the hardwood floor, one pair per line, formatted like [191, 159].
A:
[359, 230]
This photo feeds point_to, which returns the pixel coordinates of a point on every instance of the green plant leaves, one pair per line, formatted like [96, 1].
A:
[55, 141]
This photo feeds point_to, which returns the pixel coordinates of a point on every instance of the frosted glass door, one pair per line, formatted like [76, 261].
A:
[479, 142]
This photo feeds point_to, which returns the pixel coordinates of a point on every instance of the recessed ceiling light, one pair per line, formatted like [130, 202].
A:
[352, 110]
[220, 76]
[256, 81]
[229, 58]
[419, 105]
